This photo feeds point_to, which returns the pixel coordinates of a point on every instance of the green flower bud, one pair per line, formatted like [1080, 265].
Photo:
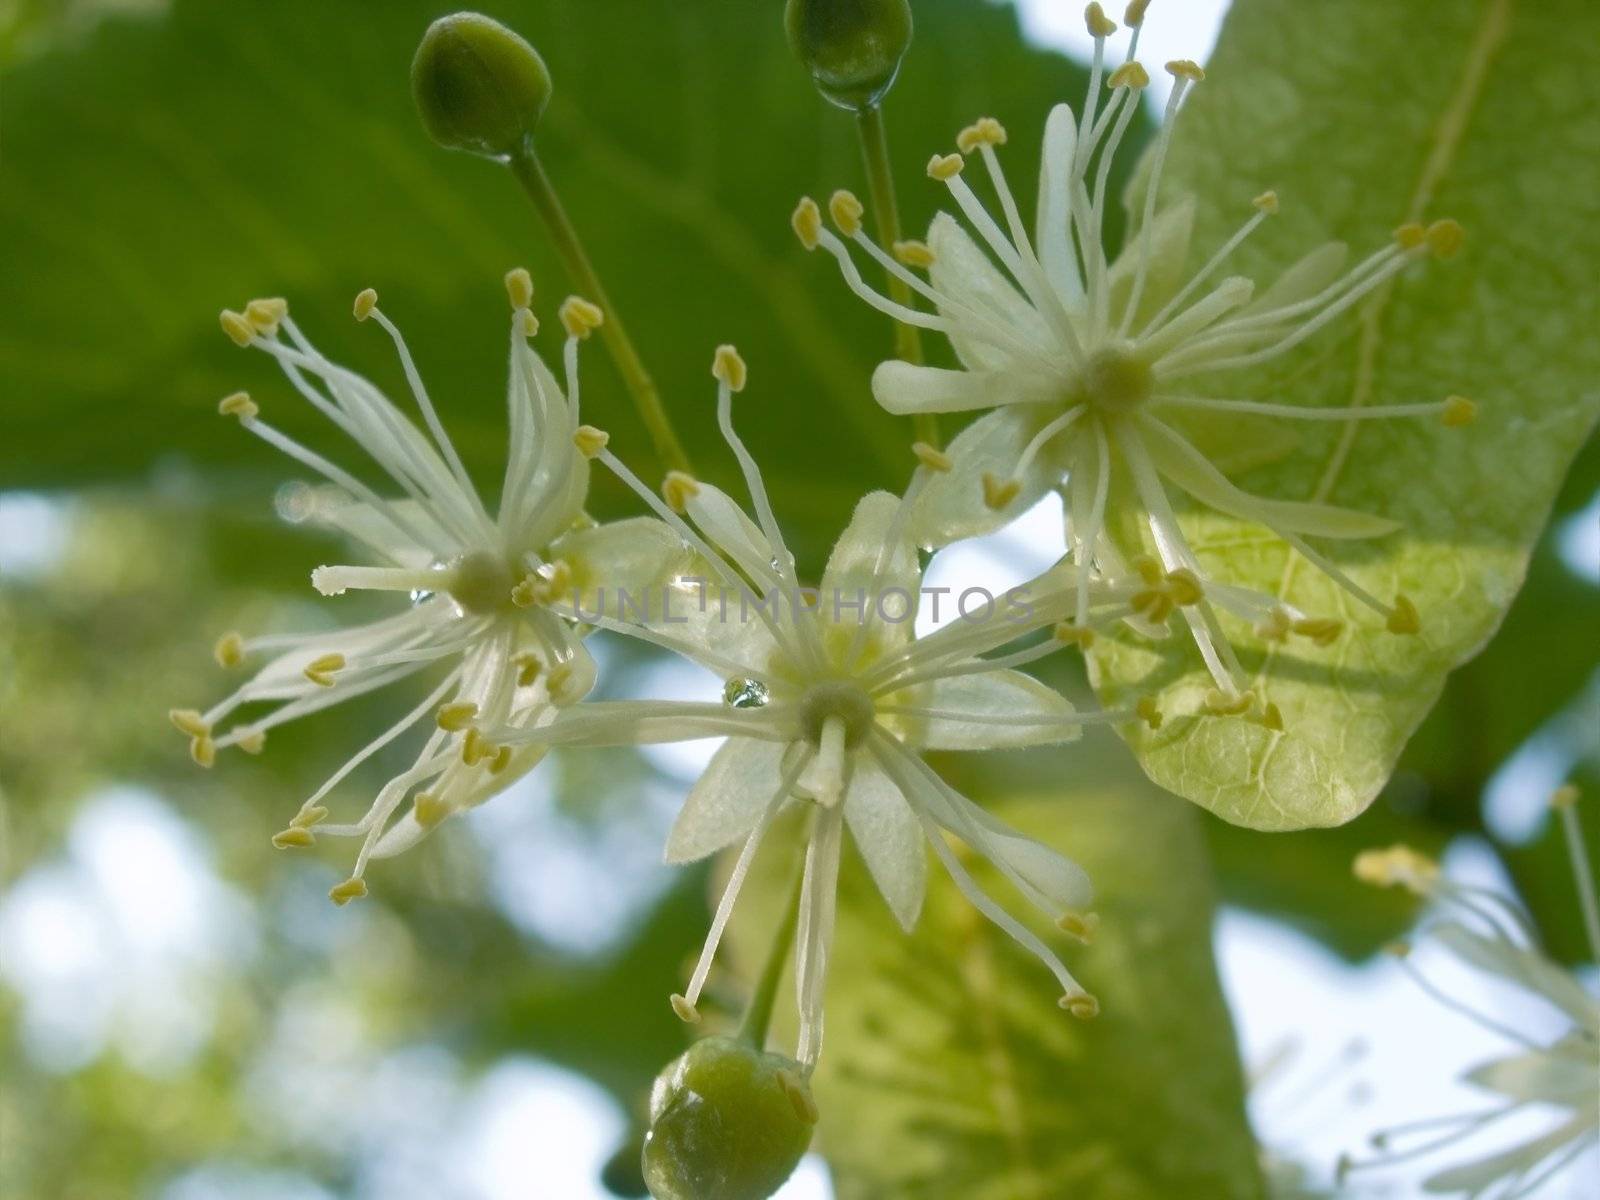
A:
[479, 87]
[852, 48]
[727, 1122]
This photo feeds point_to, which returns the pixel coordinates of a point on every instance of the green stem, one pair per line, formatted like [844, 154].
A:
[758, 1012]
[530, 173]
[880, 191]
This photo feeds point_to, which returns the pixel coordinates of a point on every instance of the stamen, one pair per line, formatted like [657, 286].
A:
[366, 302]
[931, 457]
[590, 440]
[456, 716]
[580, 317]
[1100, 25]
[1403, 618]
[229, 650]
[321, 670]
[806, 222]
[519, 288]
[293, 838]
[238, 405]
[945, 167]
[238, 329]
[204, 751]
[913, 253]
[351, 889]
[266, 314]
[846, 211]
[997, 493]
[677, 489]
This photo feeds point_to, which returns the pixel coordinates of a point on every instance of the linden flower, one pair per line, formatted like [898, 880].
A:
[1562, 1076]
[1089, 365]
[828, 704]
[476, 588]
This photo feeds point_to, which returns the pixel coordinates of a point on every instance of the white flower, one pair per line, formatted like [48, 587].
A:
[829, 703]
[475, 587]
[1089, 365]
[1561, 1076]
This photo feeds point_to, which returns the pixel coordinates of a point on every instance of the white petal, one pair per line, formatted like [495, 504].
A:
[1004, 709]
[1303, 278]
[1473, 1177]
[965, 273]
[1545, 1076]
[952, 506]
[903, 387]
[727, 800]
[379, 533]
[1521, 966]
[727, 527]
[1052, 234]
[637, 556]
[1168, 236]
[852, 562]
[889, 837]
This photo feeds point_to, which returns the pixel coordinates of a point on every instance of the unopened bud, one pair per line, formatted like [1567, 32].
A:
[852, 48]
[479, 87]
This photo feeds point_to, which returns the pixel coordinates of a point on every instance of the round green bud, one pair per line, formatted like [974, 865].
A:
[727, 1122]
[852, 48]
[478, 86]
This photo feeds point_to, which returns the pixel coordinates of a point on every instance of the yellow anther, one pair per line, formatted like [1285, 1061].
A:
[1079, 925]
[985, 131]
[1149, 570]
[687, 1013]
[1153, 604]
[189, 721]
[580, 317]
[1267, 202]
[1227, 704]
[590, 440]
[1272, 717]
[203, 750]
[846, 212]
[528, 592]
[931, 457]
[528, 668]
[366, 301]
[1100, 25]
[475, 747]
[1081, 1005]
[229, 650]
[236, 327]
[727, 367]
[1186, 68]
[321, 669]
[526, 323]
[1149, 712]
[1458, 411]
[293, 838]
[806, 221]
[1398, 949]
[1396, 866]
[501, 760]
[1133, 16]
[677, 489]
[519, 288]
[1324, 631]
[266, 314]
[998, 493]
[428, 809]
[1445, 238]
[313, 814]
[1130, 74]
[1184, 587]
[1403, 617]
[560, 684]
[1410, 236]
[1073, 635]
[945, 166]
[253, 742]
[912, 253]
[238, 405]
[1565, 796]
[1275, 626]
[351, 889]
[456, 716]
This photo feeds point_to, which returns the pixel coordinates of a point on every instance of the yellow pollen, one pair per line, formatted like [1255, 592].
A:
[1272, 717]
[320, 670]
[1445, 238]
[265, 315]
[1410, 236]
[1183, 587]
[558, 683]
[1185, 68]
[238, 405]
[189, 721]
[846, 211]
[985, 131]
[687, 1013]
[519, 287]
[293, 838]
[527, 593]
[999, 493]
[253, 742]
[677, 489]
[428, 809]
[236, 327]
[1079, 925]
[1082, 1005]
[945, 166]
[1458, 411]
[1100, 25]
[1153, 604]
[1324, 631]
[528, 666]
[1129, 74]
[580, 317]
[1274, 627]
[203, 750]
[456, 716]
[1403, 618]
[1149, 570]
[1396, 866]
[1149, 712]
[366, 301]
[912, 253]
[806, 221]
[502, 760]
[1073, 635]
[1267, 202]
[307, 817]
[1224, 704]
[526, 323]
[931, 457]
[590, 440]
[1133, 17]
[351, 889]
[727, 367]
[229, 650]
[474, 747]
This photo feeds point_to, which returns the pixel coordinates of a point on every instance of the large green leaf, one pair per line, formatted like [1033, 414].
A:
[948, 1069]
[1361, 122]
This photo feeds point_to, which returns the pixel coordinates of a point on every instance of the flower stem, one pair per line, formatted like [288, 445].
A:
[530, 173]
[880, 191]
[758, 1011]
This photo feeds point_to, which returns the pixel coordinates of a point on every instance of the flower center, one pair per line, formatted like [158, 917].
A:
[1116, 382]
[481, 583]
[840, 699]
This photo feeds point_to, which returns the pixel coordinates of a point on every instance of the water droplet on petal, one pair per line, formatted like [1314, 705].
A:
[740, 692]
